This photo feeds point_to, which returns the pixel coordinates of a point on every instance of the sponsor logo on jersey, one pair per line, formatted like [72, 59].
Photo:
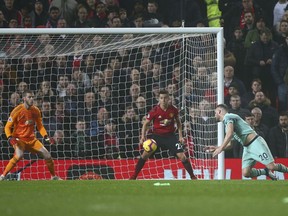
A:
[29, 122]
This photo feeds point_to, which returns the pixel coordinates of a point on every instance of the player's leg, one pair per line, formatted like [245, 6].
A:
[176, 148]
[186, 163]
[257, 151]
[18, 155]
[250, 172]
[45, 154]
[140, 164]
[277, 167]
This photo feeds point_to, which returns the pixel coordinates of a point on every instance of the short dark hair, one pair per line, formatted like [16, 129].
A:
[222, 106]
[54, 8]
[248, 115]
[27, 92]
[283, 113]
[163, 91]
[256, 80]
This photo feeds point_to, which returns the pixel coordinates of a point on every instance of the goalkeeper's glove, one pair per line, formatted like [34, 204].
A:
[49, 140]
[12, 140]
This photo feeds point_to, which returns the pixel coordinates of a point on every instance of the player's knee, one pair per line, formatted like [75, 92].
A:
[19, 155]
[182, 157]
[46, 155]
[271, 166]
[246, 173]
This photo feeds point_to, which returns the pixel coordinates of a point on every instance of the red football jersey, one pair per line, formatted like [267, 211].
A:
[163, 121]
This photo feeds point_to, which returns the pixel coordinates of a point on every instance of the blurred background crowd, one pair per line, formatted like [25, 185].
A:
[100, 122]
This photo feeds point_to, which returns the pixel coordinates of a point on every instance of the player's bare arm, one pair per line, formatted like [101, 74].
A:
[179, 127]
[227, 139]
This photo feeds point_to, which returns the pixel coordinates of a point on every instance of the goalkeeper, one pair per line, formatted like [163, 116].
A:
[255, 147]
[20, 133]
[164, 117]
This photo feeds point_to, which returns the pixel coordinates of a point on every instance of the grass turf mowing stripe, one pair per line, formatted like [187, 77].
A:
[111, 197]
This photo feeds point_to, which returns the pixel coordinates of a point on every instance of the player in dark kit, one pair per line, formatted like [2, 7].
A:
[164, 117]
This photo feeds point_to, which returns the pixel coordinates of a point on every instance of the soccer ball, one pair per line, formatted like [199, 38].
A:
[150, 145]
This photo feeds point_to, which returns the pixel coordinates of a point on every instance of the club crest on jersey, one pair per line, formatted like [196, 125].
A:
[10, 119]
[28, 122]
[171, 115]
[165, 122]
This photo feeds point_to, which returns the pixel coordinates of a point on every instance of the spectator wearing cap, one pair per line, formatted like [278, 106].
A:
[38, 15]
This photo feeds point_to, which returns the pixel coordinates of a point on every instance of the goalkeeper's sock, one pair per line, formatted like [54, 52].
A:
[257, 172]
[281, 168]
[12, 163]
[189, 168]
[50, 165]
[140, 164]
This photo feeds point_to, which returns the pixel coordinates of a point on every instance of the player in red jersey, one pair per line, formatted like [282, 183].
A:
[20, 133]
[164, 117]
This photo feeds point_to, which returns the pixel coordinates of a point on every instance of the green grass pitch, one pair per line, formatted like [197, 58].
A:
[141, 197]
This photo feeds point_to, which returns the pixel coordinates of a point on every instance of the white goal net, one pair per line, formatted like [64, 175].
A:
[94, 87]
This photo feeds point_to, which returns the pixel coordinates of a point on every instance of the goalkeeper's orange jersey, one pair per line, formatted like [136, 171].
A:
[21, 123]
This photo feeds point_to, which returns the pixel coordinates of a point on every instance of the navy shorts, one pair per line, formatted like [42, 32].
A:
[168, 142]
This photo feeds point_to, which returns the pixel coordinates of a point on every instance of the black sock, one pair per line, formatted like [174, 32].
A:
[189, 169]
[140, 164]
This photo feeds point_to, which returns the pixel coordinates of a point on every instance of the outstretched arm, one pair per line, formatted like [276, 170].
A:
[227, 140]
[212, 148]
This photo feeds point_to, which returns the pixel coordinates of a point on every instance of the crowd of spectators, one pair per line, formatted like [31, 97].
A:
[93, 104]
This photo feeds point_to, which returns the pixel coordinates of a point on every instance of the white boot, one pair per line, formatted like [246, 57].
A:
[2, 177]
[56, 178]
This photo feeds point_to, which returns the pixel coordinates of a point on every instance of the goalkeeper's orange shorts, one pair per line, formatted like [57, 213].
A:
[32, 146]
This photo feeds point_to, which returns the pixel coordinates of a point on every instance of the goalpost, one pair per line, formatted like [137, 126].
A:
[94, 86]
